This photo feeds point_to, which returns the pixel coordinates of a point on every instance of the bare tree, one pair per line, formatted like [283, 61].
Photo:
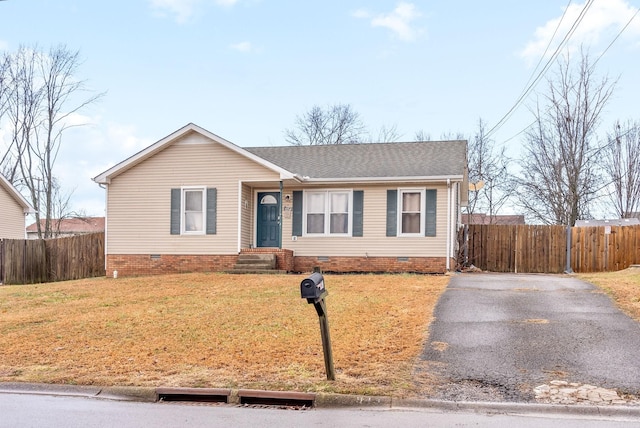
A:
[4, 85]
[338, 124]
[43, 95]
[489, 172]
[422, 135]
[621, 166]
[559, 179]
[387, 134]
[23, 102]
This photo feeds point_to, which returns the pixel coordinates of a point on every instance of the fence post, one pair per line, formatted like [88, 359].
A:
[1, 261]
[465, 244]
[568, 268]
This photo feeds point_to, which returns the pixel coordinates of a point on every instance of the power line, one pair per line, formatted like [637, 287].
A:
[546, 67]
[622, 30]
[615, 38]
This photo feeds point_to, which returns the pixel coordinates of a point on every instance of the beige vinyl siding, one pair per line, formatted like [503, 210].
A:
[247, 216]
[138, 210]
[12, 220]
[374, 242]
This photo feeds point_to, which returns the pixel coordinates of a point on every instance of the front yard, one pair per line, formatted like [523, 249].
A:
[623, 287]
[217, 330]
[237, 331]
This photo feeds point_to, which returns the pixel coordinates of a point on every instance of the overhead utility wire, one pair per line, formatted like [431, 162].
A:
[592, 66]
[553, 36]
[615, 38]
[542, 72]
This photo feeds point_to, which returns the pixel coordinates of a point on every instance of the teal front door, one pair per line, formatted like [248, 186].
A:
[268, 221]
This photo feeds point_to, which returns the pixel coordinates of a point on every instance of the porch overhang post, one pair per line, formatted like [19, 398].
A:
[280, 218]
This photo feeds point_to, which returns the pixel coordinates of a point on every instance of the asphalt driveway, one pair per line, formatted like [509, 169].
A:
[497, 336]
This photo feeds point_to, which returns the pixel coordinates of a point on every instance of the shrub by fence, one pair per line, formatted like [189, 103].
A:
[32, 261]
[543, 249]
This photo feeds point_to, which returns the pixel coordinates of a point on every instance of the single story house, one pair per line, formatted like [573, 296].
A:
[609, 222]
[71, 226]
[13, 210]
[194, 201]
[481, 218]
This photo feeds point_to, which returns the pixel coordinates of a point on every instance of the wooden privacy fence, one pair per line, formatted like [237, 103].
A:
[29, 261]
[543, 249]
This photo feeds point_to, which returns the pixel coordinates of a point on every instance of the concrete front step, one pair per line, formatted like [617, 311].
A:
[256, 265]
[252, 263]
[256, 256]
[258, 271]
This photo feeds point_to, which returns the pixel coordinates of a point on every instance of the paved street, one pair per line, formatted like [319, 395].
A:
[41, 411]
[496, 337]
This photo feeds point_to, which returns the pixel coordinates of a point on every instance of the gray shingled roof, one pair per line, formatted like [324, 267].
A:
[376, 160]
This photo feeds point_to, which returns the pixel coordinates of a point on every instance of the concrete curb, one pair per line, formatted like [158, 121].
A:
[328, 401]
[123, 393]
[519, 408]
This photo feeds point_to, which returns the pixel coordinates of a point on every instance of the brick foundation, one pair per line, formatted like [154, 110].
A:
[145, 264]
[372, 264]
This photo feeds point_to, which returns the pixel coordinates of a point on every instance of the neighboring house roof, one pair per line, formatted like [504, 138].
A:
[72, 225]
[613, 222]
[436, 160]
[496, 219]
[11, 190]
[430, 159]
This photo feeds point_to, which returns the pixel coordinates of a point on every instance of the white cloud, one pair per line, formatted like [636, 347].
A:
[4, 45]
[399, 21]
[242, 47]
[184, 9]
[600, 24]
[77, 119]
[123, 137]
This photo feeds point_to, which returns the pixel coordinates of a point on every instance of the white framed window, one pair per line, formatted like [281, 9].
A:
[193, 210]
[328, 212]
[411, 207]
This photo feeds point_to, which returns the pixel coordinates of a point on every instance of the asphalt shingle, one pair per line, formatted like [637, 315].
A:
[376, 160]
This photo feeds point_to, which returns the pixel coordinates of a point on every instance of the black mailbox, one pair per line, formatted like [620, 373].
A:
[312, 287]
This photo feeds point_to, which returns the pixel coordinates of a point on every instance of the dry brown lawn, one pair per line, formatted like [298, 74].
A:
[623, 287]
[217, 330]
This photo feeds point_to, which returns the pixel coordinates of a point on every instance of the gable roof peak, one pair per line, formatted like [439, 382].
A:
[15, 194]
[106, 176]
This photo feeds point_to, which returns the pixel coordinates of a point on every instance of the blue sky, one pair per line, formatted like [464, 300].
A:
[243, 69]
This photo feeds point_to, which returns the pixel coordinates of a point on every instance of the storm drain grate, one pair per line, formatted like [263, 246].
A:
[200, 395]
[276, 398]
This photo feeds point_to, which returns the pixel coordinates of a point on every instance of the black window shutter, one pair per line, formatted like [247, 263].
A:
[392, 212]
[431, 199]
[358, 203]
[212, 207]
[296, 229]
[175, 211]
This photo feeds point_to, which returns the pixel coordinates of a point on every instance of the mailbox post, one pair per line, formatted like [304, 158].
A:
[312, 288]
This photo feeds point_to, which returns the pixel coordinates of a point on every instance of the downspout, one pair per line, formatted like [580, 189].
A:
[448, 262]
[239, 216]
[106, 218]
[280, 219]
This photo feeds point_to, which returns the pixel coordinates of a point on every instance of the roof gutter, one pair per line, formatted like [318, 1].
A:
[432, 179]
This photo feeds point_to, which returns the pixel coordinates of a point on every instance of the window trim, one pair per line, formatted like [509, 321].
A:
[327, 213]
[423, 210]
[203, 226]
